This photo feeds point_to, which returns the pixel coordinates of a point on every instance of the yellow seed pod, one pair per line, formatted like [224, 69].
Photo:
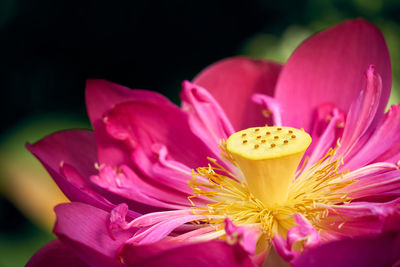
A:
[268, 158]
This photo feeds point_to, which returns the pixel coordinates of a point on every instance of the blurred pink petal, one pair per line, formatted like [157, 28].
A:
[212, 253]
[55, 253]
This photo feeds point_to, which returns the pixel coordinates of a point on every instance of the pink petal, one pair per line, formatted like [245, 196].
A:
[382, 142]
[373, 186]
[70, 174]
[84, 229]
[71, 148]
[325, 139]
[270, 104]
[282, 248]
[75, 147]
[158, 217]
[162, 229]
[206, 117]
[125, 183]
[194, 234]
[141, 124]
[102, 96]
[202, 254]
[392, 155]
[303, 232]
[246, 236]
[359, 218]
[235, 80]
[117, 219]
[362, 114]
[363, 251]
[371, 169]
[328, 68]
[165, 171]
[55, 253]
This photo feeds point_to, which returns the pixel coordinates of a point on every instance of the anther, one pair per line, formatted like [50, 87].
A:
[268, 133]
[256, 146]
[263, 141]
[244, 141]
[243, 135]
[293, 136]
[273, 145]
[290, 131]
[286, 141]
[276, 137]
[279, 129]
[256, 130]
[258, 137]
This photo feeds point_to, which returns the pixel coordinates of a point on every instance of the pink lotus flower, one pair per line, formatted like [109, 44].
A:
[154, 184]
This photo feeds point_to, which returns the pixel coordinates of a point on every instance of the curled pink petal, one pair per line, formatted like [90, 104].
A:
[127, 184]
[157, 217]
[83, 228]
[283, 248]
[363, 112]
[371, 187]
[163, 169]
[303, 232]
[117, 218]
[359, 219]
[371, 169]
[246, 235]
[206, 117]
[326, 140]
[271, 105]
[194, 234]
[162, 229]
[381, 142]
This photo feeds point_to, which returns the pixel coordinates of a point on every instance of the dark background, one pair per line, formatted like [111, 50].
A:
[49, 48]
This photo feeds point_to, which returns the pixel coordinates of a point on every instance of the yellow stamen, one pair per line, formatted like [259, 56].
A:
[269, 166]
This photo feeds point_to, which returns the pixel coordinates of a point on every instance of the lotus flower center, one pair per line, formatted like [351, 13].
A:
[268, 158]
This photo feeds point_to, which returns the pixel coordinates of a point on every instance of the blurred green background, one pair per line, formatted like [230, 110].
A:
[49, 48]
